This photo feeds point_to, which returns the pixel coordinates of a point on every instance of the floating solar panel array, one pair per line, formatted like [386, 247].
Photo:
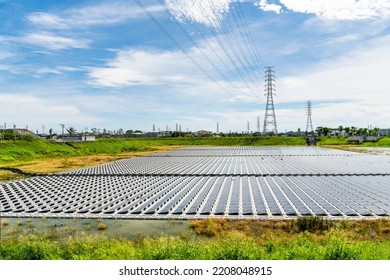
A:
[231, 182]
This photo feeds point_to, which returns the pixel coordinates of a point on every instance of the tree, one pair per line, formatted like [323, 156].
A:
[319, 130]
[347, 130]
[71, 131]
[325, 131]
[373, 131]
[50, 132]
[340, 129]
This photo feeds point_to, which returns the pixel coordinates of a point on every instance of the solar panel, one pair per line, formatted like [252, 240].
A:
[206, 181]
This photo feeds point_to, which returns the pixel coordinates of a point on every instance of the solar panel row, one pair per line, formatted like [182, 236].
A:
[210, 182]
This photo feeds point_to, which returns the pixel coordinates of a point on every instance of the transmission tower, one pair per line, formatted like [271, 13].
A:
[269, 119]
[309, 123]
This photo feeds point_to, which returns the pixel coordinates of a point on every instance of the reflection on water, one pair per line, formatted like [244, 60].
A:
[63, 228]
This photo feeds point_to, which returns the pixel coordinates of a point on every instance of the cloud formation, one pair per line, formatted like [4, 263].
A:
[104, 13]
[209, 13]
[54, 42]
[140, 67]
[333, 9]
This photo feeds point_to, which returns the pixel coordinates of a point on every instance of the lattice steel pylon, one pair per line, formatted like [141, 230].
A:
[270, 126]
[309, 122]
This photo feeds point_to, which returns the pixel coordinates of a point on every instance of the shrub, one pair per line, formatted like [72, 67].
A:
[312, 223]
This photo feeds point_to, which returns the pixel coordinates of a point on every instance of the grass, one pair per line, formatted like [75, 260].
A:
[215, 239]
[41, 156]
[384, 142]
[324, 141]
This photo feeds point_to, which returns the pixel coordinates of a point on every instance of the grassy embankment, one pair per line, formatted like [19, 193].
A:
[40, 156]
[305, 238]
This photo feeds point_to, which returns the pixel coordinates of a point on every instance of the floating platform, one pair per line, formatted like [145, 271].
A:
[202, 182]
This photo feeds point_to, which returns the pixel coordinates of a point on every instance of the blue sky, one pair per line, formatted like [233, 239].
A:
[131, 64]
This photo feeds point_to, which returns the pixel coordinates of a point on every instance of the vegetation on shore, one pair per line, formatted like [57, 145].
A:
[42, 156]
[217, 239]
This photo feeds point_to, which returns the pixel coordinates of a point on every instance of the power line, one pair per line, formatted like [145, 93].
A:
[237, 49]
[249, 38]
[182, 48]
[196, 44]
[225, 46]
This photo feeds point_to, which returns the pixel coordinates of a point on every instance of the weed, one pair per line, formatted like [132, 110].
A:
[30, 224]
[209, 227]
[4, 222]
[312, 223]
[385, 231]
[340, 250]
[101, 225]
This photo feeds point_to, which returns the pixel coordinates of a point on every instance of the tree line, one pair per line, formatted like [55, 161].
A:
[349, 131]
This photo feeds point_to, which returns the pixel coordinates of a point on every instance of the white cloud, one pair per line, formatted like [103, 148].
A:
[265, 6]
[6, 54]
[136, 67]
[54, 42]
[47, 20]
[340, 9]
[207, 12]
[105, 13]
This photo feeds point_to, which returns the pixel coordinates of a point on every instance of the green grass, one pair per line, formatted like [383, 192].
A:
[234, 246]
[384, 142]
[11, 151]
[323, 141]
[216, 240]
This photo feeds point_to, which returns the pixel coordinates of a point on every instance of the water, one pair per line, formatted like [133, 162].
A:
[374, 150]
[63, 228]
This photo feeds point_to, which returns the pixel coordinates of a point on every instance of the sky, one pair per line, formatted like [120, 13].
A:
[135, 64]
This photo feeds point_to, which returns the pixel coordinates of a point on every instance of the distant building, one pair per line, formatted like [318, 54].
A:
[336, 132]
[203, 133]
[384, 132]
[74, 138]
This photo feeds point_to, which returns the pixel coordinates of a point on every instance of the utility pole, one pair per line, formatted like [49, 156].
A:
[309, 122]
[270, 119]
[63, 127]
[14, 131]
[247, 127]
[258, 124]
[217, 128]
